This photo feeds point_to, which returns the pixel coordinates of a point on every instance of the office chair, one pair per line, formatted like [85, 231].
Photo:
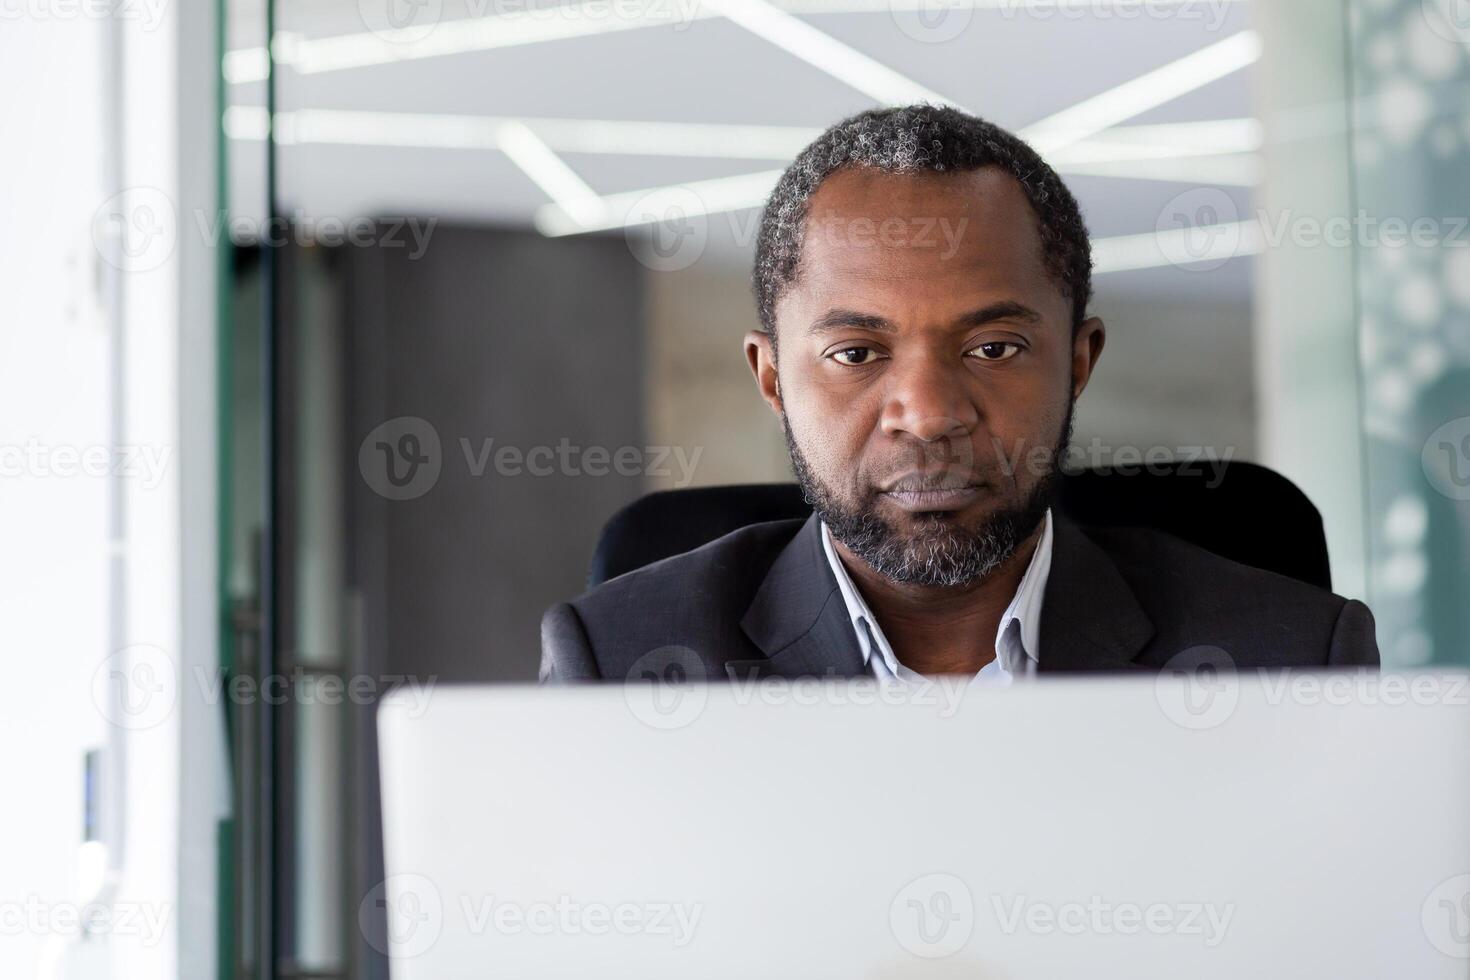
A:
[1254, 516]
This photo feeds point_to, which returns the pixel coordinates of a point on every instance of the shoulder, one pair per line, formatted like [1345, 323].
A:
[742, 555]
[1195, 596]
[1157, 561]
[694, 599]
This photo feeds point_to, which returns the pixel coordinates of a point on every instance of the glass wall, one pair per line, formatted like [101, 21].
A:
[508, 254]
[1410, 64]
[493, 277]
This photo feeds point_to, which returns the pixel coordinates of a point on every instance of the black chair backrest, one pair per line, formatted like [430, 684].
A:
[1241, 511]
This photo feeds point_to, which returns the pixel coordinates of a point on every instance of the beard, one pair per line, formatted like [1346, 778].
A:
[940, 552]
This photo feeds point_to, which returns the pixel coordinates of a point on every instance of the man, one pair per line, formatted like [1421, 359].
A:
[922, 279]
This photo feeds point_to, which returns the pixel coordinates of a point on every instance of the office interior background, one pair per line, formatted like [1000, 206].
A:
[334, 330]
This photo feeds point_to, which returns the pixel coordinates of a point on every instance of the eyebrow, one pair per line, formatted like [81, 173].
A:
[1003, 310]
[839, 319]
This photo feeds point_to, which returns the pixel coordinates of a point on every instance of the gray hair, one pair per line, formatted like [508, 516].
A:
[907, 140]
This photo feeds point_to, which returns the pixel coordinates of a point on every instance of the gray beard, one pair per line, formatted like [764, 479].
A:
[939, 554]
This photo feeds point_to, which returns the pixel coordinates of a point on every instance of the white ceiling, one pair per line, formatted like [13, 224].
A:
[1008, 61]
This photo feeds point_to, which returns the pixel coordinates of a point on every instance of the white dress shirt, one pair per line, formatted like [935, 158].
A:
[1016, 640]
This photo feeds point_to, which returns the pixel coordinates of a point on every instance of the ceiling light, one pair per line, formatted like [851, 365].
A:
[1148, 91]
[551, 173]
[646, 207]
[821, 50]
[1176, 246]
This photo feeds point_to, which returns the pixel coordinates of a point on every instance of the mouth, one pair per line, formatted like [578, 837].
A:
[921, 500]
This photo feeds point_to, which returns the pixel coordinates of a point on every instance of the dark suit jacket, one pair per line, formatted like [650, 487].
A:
[763, 600]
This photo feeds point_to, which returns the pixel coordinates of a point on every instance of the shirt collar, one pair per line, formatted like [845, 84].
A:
[864, 623]
[1024, 609]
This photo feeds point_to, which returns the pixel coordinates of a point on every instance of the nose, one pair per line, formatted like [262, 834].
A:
[929, 398]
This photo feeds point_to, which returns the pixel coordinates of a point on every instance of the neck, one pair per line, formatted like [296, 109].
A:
[938, 629]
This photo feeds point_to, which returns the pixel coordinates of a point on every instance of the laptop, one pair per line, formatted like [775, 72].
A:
[1301, 825]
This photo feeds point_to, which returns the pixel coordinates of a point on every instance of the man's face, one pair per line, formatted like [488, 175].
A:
[927, 369]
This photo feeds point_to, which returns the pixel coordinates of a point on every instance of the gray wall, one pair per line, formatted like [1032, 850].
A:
[490, 335]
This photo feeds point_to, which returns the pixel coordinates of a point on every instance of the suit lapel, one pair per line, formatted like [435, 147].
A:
[1090, 619]
[798, 619]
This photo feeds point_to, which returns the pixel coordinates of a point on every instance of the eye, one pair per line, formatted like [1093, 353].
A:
[995, 350]
[855, 356]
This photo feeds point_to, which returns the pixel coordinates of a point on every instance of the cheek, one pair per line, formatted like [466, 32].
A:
[1023, 418]
[1022, 447]
[1028, 405]
[832, 425]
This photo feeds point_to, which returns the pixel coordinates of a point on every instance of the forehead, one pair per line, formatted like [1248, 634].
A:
[953, 237]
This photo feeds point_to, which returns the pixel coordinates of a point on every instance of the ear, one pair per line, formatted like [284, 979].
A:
[761, 356]
[1086, 349]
